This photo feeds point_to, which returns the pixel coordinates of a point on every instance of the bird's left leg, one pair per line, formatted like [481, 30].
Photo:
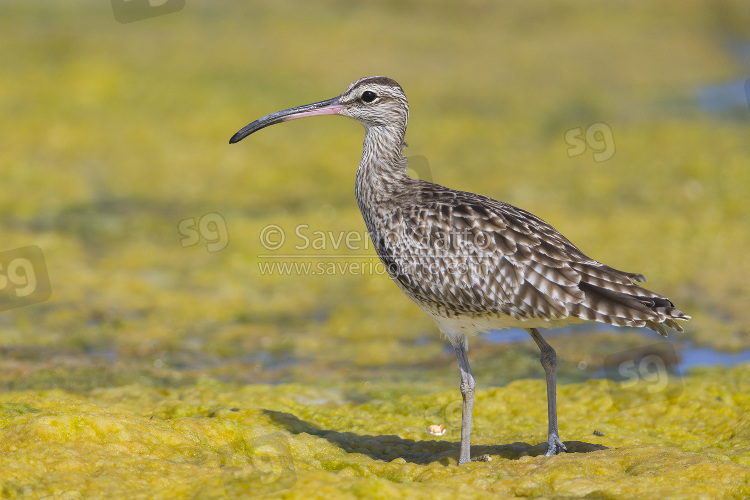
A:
[467, 393]
[549, 363]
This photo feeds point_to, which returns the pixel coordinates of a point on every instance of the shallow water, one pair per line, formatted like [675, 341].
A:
[690, 356]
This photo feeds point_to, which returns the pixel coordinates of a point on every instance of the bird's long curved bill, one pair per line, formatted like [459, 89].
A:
[327, 107]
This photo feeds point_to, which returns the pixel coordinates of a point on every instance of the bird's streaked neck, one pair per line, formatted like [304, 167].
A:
[382, 157]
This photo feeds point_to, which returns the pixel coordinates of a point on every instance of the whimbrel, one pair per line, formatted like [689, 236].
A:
[472, 263]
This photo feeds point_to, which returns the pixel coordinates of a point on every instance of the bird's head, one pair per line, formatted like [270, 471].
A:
[374, 101]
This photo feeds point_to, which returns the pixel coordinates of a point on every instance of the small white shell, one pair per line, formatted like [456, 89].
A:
[436, 430]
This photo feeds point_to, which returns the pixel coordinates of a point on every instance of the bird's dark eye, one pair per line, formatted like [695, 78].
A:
[369, 96]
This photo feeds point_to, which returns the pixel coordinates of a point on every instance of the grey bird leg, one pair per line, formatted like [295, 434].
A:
[467, 392]
[549, 363]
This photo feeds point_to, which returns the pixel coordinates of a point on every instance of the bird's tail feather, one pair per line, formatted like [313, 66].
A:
[623, 309]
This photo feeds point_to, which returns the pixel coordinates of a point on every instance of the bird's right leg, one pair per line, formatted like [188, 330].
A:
[467, 393]
[549, 363]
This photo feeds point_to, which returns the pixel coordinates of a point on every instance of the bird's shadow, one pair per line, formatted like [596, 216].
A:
[389, 447]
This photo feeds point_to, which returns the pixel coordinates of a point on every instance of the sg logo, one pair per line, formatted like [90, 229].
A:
[643, 376]
[23, 278]
[419, 168]
[211, 226]
[271, 469]
[598, 137]
[128, 11]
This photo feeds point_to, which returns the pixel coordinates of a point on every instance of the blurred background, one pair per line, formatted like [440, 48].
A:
[136, 246]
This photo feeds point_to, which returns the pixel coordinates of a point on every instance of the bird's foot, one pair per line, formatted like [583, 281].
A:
[554, 445]
[464, 457]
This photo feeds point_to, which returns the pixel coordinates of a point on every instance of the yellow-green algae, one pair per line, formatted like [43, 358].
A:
[114, 134]
[214, 440]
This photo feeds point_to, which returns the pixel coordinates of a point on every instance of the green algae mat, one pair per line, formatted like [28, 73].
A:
[181, 318]
[213, 440]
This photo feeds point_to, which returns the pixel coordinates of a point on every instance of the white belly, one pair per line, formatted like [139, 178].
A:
[458, 329]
